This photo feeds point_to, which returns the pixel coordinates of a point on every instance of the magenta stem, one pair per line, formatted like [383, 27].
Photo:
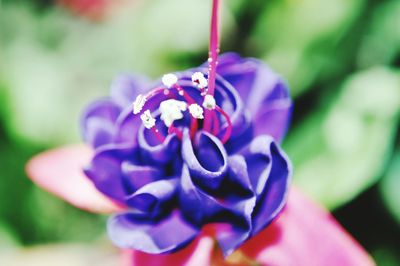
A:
[228, 130]
[212, 59]
[213, 48]
[157, 134]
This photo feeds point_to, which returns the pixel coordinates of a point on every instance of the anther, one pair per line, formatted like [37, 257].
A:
[171, 110]
[196, 111]
[138, 104]
[209, 102]
[169, 80]
[199, 80]
[147, 119]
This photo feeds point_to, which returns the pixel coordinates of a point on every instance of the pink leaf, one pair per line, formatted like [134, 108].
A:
[305, 234]
[59, 171]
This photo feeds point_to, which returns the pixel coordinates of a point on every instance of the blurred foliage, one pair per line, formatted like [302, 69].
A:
[300, 40]
[59, 63]
[340, 57]
[62, 255]
[341, 150]
[390, 187]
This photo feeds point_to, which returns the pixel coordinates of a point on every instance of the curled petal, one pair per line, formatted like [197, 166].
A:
[98, 122]
[238, 174]
[105, 170]
[165, 236]
[125, 88]
[266, 170]
[259, 87]
[153, 199]
[136, 176]
[201, 208]
[264, 160]
[304, 234]
[59, 171]
[206, 159]
[127, 126]
[157, 153]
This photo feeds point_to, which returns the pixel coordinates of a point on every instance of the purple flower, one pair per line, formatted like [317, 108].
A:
[173, 172]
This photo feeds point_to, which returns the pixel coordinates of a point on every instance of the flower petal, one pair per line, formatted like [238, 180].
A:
[125, 88]
[105, 170]
[305, 234]
[59, 171]
[160, 153]
[260, 89]
[136, 176]
[270, 171]
[168, 235]
[154, 199]
[206, 159]
[97, 122]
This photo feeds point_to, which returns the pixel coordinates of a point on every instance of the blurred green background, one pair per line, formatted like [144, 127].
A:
[340, 57]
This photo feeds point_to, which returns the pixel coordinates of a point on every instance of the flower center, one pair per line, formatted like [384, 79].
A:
[180, 109]
[173, 109]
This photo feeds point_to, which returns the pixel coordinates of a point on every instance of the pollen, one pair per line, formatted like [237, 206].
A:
[138, 104]
[171, 110]
[209, 102]
[169, 80]
[196, 111]
[147, 119]
[199, 80]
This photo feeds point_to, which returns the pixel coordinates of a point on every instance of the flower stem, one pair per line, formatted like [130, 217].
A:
[212, 60]
[213, 48]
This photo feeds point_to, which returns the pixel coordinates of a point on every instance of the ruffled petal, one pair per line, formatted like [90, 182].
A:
[157, 153]
[127, 126]
[59, 171]
[201, 208]
[98, 121]
[136, 176]
[264, 169]
[304, 234]
[270, 172]
[227, 98]
[105, 170]
[206, 159]
[154, 199]
[165, 236]
[125, 88]
[260, 88]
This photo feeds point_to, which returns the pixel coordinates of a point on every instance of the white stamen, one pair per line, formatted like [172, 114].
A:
[138, 104]
[199, 80]
[196, 111]
[209, 102]
[169, 80]
[171, 110]
[147, 119]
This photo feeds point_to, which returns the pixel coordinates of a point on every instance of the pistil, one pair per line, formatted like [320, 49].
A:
[212, 60]
[172, 108]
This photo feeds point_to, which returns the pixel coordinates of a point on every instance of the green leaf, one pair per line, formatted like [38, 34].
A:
[340, 151]
[8, 239]
[390, 187]
[381, 43]
[299, 38]
[54, 64]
